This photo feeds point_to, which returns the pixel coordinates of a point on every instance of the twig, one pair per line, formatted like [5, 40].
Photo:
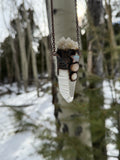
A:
[16, 106]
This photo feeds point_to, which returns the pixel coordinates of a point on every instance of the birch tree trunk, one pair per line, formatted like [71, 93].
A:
[113, 46]
[96, 27]
[95, 62]
[24, 62]
[9, 70]
[42, 58]
[47, 55]
[17, 69]
[66, 114]
[33, 54]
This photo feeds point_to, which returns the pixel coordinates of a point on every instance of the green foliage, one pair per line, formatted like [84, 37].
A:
[62, 146]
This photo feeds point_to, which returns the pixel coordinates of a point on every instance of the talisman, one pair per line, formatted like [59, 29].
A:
[68, 55]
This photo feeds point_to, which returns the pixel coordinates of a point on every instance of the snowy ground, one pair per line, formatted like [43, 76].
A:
[22, 146]
[111, 92]
[16, 145]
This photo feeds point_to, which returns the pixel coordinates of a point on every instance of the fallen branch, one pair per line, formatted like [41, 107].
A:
[16, 106]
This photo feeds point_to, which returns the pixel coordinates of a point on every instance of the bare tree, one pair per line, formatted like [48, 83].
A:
[14, 53]
[33, 54]
[9, 69]
[17, 70]
[95, 64]
[45, 40]
[24, 62]
[112, 41]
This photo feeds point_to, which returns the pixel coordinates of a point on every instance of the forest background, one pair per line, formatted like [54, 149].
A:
[87, 128]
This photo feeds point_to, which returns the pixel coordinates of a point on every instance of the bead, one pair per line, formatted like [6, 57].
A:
[75, 57]
[74, 76]
[74, 67]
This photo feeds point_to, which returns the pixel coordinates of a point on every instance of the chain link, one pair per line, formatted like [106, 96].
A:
[77, 26]
[52, 30]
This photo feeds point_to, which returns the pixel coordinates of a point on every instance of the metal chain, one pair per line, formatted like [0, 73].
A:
[77, 26]
[53, 29]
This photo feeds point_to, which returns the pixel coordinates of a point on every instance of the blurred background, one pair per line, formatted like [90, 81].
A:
[35, 121]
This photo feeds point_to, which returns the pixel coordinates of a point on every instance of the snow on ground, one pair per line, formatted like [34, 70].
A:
[21, 146]
[111, 92]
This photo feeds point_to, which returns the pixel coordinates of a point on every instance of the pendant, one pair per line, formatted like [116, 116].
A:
[67, 68]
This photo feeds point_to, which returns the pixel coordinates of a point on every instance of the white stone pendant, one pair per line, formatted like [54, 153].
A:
[68, 66]
[66, 86]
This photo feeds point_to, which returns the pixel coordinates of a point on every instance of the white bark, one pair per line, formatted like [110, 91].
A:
[17, 70]
[65, 26]
[33, 54]
[47, 56]
[24, 62]
[113, 45]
